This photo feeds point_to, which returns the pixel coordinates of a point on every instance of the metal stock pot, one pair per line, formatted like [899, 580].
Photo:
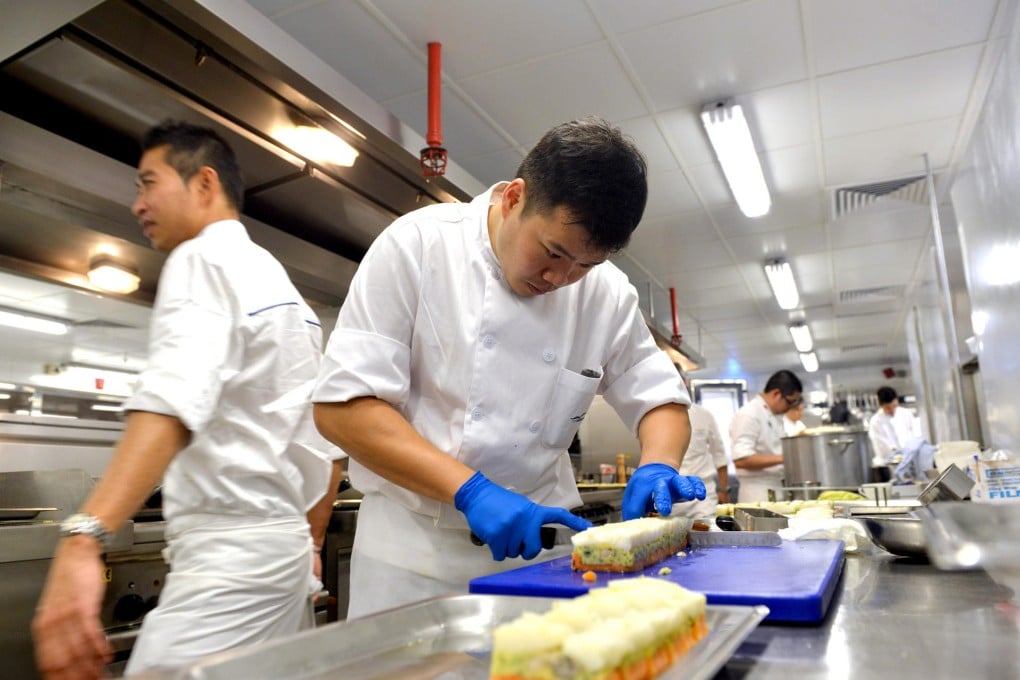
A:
[826, 459]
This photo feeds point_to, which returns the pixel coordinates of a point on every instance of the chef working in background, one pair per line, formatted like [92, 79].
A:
[793, 420]
[221, 415]
[467, 352]
[756, 432]
[706, 458]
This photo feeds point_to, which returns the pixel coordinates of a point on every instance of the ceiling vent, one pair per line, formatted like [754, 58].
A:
[876, 294]
[848, 200]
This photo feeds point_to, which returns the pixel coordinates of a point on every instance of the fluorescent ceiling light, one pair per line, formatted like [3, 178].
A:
[4, 396]
[32, 323]
[810, 361]
[801, 337]
[318, 144]
[7, 386]
[727, 130]
[783, 286]
[111, 408]
[109, 275]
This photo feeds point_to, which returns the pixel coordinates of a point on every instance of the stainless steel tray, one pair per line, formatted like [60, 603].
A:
[447, 637]
[22, 513]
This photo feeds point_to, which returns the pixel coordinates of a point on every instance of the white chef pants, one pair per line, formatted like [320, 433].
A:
[754, 487]
[233, 582]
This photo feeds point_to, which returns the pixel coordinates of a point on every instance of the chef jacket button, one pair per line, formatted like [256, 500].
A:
[476, 413]
[489, 340]
[495, 273]
[548, 356]
[535, 426]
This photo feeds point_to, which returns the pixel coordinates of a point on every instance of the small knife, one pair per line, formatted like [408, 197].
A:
[702, 539]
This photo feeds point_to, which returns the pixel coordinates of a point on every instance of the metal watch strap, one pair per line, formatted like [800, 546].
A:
[82, 524]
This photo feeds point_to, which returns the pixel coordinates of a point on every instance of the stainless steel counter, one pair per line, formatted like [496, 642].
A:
[893, 618]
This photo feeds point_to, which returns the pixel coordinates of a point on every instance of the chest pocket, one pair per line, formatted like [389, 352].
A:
[569, 405]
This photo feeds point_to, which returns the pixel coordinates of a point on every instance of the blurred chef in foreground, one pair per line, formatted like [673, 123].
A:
[706, 457]
[221, 415]
[756, 433]
[469, 348]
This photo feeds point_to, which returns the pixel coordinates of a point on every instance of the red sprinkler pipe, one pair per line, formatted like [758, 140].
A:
[433, 157]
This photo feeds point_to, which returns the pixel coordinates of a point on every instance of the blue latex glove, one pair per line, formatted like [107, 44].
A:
[508, 522]
[656, 486]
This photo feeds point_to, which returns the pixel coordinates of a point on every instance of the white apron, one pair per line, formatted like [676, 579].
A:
[233, 582]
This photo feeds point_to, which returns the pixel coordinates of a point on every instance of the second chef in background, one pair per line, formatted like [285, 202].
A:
[468, 351]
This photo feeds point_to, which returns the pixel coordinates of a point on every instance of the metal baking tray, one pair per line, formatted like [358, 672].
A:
[447, 637]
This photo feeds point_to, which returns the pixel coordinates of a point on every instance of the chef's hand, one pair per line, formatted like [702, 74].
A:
[508, 522]
[69, 639]
[656, 486]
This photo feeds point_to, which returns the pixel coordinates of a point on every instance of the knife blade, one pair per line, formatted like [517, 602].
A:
[701, 539]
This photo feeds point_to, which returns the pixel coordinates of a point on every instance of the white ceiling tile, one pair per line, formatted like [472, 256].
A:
[634, 14]
[872, 326]
[683, 128]
[689, 228]
[787, 210]
[534, 96]
[478, 37]
[739, 48]
[791, 242]
[669, 193]
[780, 116]
[670, 255]
[854, 276]
[848, 35]
[706, 278]
[493, 167]
[897, 93]
[890, 153]
[792, 170]
[343, 34]
[902, 256]
[648, 139]
[885, 223]
[712, 186]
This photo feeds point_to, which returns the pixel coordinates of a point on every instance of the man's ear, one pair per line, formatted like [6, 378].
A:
[513, 194]
[208, 184]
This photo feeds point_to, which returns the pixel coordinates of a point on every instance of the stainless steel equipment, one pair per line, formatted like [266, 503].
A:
[899, 534]
[445, 637]
[828, 460]
[135, 569]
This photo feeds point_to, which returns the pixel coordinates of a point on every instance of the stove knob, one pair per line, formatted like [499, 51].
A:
[151, 603]
[129, 608]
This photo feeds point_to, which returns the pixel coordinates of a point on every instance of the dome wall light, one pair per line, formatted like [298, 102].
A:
[108, 274]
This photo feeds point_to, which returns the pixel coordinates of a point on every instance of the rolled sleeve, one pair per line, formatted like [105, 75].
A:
[363, 364]
[189, 346]
[649, 383]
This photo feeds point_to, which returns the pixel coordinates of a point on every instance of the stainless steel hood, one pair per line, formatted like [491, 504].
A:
[76, 101]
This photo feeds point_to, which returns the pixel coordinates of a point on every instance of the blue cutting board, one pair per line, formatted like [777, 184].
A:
[795, 580]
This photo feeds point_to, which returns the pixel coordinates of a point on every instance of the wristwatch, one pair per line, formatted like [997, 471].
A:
[81, 524]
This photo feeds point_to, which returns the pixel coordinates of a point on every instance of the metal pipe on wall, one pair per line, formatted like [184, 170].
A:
[950, 319]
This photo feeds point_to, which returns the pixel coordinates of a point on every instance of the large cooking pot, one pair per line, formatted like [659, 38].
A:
[828, 459]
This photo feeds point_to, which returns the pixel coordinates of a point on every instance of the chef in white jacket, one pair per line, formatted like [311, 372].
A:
[706, 457]
[221, 415]
[892, 427]
[469, 348]
[756, 432]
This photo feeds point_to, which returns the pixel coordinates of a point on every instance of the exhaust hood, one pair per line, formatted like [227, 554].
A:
[77, 100]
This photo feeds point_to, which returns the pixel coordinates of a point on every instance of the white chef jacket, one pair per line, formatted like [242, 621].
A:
[889, 434]
[489, 377]
[792, 428]
[233, 353]
[756, 429]
[705, 455]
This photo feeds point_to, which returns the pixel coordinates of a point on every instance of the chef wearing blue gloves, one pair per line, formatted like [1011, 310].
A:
[466, 354]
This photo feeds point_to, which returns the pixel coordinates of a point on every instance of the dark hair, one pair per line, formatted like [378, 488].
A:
[886, 395]
[596, 173]
[192, 148]
[785, 381]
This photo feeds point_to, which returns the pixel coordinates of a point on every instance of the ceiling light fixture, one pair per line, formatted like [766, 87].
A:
[810, 361]
[32, 323]
[783, 286]
[801, 337]
[318, 144]
[108, 274]
[727, 130]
